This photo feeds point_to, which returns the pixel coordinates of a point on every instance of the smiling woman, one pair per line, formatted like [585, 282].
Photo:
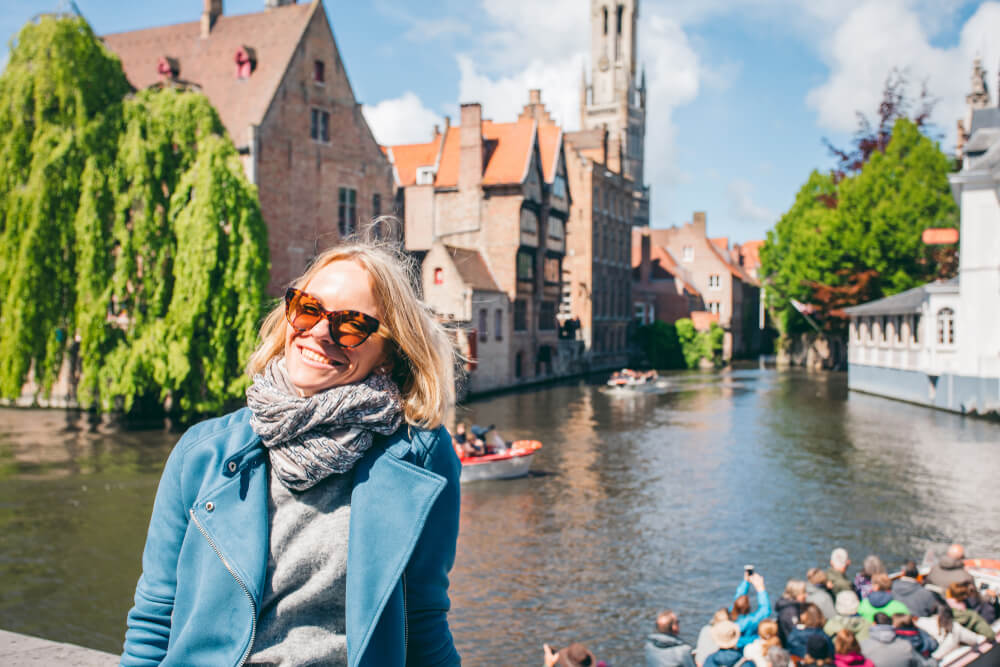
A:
[327, 509]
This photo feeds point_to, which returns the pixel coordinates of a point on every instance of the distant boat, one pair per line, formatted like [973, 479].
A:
[629, 381]
[513, 461]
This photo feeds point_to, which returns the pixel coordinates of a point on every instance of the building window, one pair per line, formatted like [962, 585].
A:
[946, 326]
[498, 324]
[605, 20]
[551, 270]
[520, 315]
[714, 281]
[347, 211]
[556, 228]
[439, 276]
[546, 316]
[518, 364]
[915, 329]
[484, 323]
[319, 126]
[319, 72]
[529, 221]
[376, 205]
[640, 312]
[525, 265]
[559, 187]
[687, 254]
[713, 307]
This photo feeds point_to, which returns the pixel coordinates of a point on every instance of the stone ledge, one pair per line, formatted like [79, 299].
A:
[22, 650]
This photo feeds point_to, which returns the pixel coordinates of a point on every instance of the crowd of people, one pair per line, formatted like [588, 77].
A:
[829, 619]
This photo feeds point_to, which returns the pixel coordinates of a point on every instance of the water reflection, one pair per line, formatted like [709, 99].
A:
[637, 502]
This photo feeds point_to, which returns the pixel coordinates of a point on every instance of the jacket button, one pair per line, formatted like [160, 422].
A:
[232, 466]
[209, 506]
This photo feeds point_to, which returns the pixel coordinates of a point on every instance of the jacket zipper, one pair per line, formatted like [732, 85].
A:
[253, 605]
[406, 622]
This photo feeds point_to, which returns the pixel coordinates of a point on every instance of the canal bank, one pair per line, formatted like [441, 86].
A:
[636, 503]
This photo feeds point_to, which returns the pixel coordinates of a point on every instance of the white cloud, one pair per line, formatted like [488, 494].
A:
[876, 36]
[742, 207]
[402, 120]
[425, 30]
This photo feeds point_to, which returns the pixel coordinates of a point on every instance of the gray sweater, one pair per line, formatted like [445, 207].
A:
[302, 616]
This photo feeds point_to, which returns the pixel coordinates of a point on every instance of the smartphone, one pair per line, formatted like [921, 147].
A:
[748, 569]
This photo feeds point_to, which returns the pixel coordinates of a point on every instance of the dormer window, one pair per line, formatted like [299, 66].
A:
[319, 73]
[168, 68]
[246, 62]
[425, 175]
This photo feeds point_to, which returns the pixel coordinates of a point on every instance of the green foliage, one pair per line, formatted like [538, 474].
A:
[697, 345]
[660, 345]
[837, 230]
[127, 223]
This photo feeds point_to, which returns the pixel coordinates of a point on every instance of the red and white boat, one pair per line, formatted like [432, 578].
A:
[513, 461]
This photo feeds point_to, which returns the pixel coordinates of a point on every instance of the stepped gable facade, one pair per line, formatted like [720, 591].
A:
[279, 85]
[499, 189]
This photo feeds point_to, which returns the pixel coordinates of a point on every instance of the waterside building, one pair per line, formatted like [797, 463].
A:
[939, 344]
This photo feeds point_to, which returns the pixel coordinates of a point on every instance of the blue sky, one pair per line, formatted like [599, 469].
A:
[742, 92]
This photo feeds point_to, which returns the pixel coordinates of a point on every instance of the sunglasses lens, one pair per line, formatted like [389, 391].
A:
[301, 310]
[351, 330]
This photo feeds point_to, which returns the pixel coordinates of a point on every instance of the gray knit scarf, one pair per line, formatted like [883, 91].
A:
[309, 439]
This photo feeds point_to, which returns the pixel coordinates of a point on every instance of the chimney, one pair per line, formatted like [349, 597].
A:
[645, 266]
[271, 4]
[535, 96]
[211, 11]
[699, 223]
[470, 160]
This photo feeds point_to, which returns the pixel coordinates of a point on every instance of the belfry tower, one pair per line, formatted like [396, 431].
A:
[615, 98]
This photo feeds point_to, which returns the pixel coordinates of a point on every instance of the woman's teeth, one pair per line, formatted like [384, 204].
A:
[312, 355]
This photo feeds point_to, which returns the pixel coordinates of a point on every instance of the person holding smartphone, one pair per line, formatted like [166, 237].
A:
[741, 614]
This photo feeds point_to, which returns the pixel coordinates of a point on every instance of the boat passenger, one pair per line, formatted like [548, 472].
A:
[847, 651]
[863, 579]
[885, 649]
[818, 592]
[741, 614]
[767, 639]
[847, 617]
[984, 602]
[819, 652]
[955, 597]
[726, 635]
[318, 525]
[836, 574]
[909, 591]
[789, 606]
[664, 648]
[706, 645]
[948, 634]
[881, 599]
[950, 569]
[810, 625]
[778, 657]
[921, 640]
[574, 655]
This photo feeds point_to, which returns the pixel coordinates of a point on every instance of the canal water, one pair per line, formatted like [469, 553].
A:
[636, 503]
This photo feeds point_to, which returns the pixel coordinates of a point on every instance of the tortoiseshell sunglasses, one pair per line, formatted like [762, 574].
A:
[348, 328]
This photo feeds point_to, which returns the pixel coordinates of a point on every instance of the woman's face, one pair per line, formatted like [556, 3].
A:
[314, 362]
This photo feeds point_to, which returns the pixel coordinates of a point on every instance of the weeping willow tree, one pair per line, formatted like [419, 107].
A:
[127, 227]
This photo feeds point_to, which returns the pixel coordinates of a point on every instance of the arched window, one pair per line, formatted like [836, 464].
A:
[605, 20]
[946, 326]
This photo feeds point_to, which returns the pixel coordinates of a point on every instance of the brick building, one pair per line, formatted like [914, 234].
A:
[281, 89]
[661, 289]
[714, 269]
[598, 262]
[499, 189]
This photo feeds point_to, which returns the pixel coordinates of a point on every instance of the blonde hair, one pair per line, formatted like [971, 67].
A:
[422, 354]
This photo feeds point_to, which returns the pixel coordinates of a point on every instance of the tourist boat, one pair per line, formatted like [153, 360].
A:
[629, 381]
[514, 461]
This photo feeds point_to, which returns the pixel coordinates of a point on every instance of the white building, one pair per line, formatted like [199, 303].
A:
[939, 344]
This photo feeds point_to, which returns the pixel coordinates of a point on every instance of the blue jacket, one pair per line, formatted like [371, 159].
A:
[205, 561]
[747, 623]
[726, 657]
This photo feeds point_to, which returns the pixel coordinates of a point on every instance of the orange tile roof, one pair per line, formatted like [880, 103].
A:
[750, 253]
[511, 157]
[209, 63]
[549, 142]
[734, 269]
[407, 157]
[722, 242]
[507, 153]
[702, 319]
[661, 257]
